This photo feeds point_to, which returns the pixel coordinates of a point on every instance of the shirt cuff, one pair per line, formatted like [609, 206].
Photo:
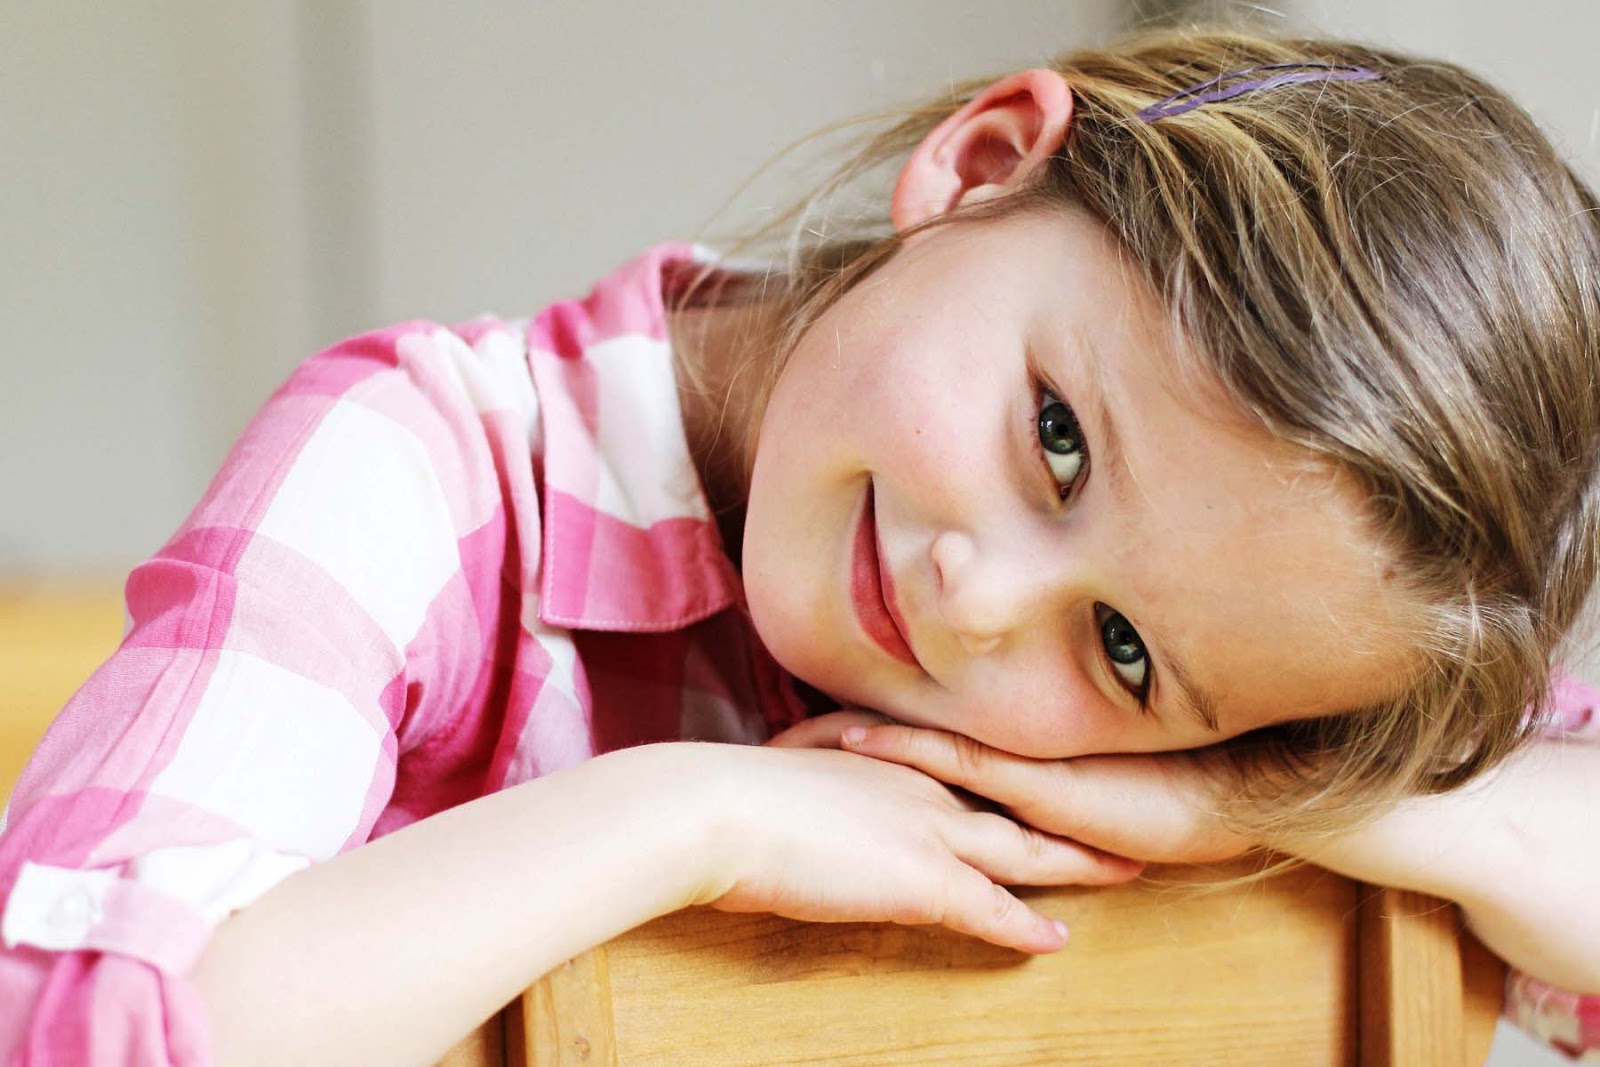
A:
[161, 909]
[1569, 1022]
[61, 909]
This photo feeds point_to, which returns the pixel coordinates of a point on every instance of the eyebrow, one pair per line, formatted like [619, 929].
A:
[1109, 451]
[1196, 702]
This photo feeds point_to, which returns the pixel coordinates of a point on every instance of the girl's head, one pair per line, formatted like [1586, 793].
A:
[1294, 389]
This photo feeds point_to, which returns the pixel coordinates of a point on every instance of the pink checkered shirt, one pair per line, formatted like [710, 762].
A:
[439, 562]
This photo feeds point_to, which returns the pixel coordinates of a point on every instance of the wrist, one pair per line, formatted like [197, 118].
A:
[671, 800]
[1456, 845]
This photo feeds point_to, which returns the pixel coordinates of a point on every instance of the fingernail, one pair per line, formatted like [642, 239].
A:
[853, 735]
[1061, 930]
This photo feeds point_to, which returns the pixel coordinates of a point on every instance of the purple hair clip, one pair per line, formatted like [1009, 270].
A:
[1268, 77]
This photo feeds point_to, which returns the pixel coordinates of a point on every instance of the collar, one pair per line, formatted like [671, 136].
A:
[629, 542]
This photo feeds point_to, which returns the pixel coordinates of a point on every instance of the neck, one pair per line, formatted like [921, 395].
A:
[721, 357]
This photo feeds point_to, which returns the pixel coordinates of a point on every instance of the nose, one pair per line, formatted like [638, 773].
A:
[985, 593]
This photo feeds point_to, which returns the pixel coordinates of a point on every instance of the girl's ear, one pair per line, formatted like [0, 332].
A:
[991, 146]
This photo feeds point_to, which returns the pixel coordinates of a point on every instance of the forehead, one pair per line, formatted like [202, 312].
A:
[1250, 556]
[1263, 579]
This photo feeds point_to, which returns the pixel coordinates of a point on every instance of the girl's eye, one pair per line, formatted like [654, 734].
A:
[1126, 651]
[1062, 440]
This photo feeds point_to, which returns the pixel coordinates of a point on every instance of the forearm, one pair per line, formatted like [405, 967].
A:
[391, 952]
[1519, 851]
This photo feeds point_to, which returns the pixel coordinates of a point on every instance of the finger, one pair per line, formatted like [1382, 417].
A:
[978, 907]
[823, 731]
[1118, 803]
[957, 760]
[1017, 854]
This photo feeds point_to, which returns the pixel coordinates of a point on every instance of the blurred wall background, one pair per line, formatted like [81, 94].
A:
[197, 196]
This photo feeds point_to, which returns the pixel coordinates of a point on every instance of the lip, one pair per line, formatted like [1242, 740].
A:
[872, 589]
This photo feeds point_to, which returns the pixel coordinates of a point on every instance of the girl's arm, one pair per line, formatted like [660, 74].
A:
[1519, 850]
[389, 953]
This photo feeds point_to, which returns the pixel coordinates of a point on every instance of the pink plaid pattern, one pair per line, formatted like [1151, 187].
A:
[1568, 1022]
[439, 562]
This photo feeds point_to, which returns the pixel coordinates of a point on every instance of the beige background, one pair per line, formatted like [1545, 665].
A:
[198, 195]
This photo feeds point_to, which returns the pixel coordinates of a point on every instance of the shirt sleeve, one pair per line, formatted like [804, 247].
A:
[327, 605]
[1567, 1021]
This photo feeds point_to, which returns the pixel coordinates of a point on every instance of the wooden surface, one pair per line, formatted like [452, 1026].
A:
[567, 1016]
[1269, 974]
[1152, 976]
[1273, 973]
[1429, 995]
[1483, 976]
[51, 640]
[484, 1047]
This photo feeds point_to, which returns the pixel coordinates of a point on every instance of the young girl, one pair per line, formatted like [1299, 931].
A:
[1198, 453]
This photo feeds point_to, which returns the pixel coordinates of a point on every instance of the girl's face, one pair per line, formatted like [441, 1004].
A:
[985, 500]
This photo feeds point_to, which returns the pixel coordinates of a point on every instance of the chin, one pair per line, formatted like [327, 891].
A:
[849, 692]
[790, 629]
[824, 669]
[821, 671]
[783, 629]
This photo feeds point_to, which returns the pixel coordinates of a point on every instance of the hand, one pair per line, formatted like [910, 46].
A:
[832, 836]
[1154, 807]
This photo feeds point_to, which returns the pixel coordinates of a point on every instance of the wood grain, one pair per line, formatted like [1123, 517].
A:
[567, 1015]
[1411, 981]
[484, 1047]
[1483, 976]
[1153, 976]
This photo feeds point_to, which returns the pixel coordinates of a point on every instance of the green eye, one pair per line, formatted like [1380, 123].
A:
[1062, 440]
[1125, 649]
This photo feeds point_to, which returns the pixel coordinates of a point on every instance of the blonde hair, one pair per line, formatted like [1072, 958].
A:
[1399, 275]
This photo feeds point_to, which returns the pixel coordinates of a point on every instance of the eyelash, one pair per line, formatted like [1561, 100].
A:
[1103, 616]
[1045, 396]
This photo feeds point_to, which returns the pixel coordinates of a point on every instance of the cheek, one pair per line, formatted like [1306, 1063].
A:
[770, 560]
[1056, 719]
[940, 447]
[1060, 714]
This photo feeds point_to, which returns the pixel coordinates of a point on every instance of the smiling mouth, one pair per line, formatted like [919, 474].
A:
[872, 589]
